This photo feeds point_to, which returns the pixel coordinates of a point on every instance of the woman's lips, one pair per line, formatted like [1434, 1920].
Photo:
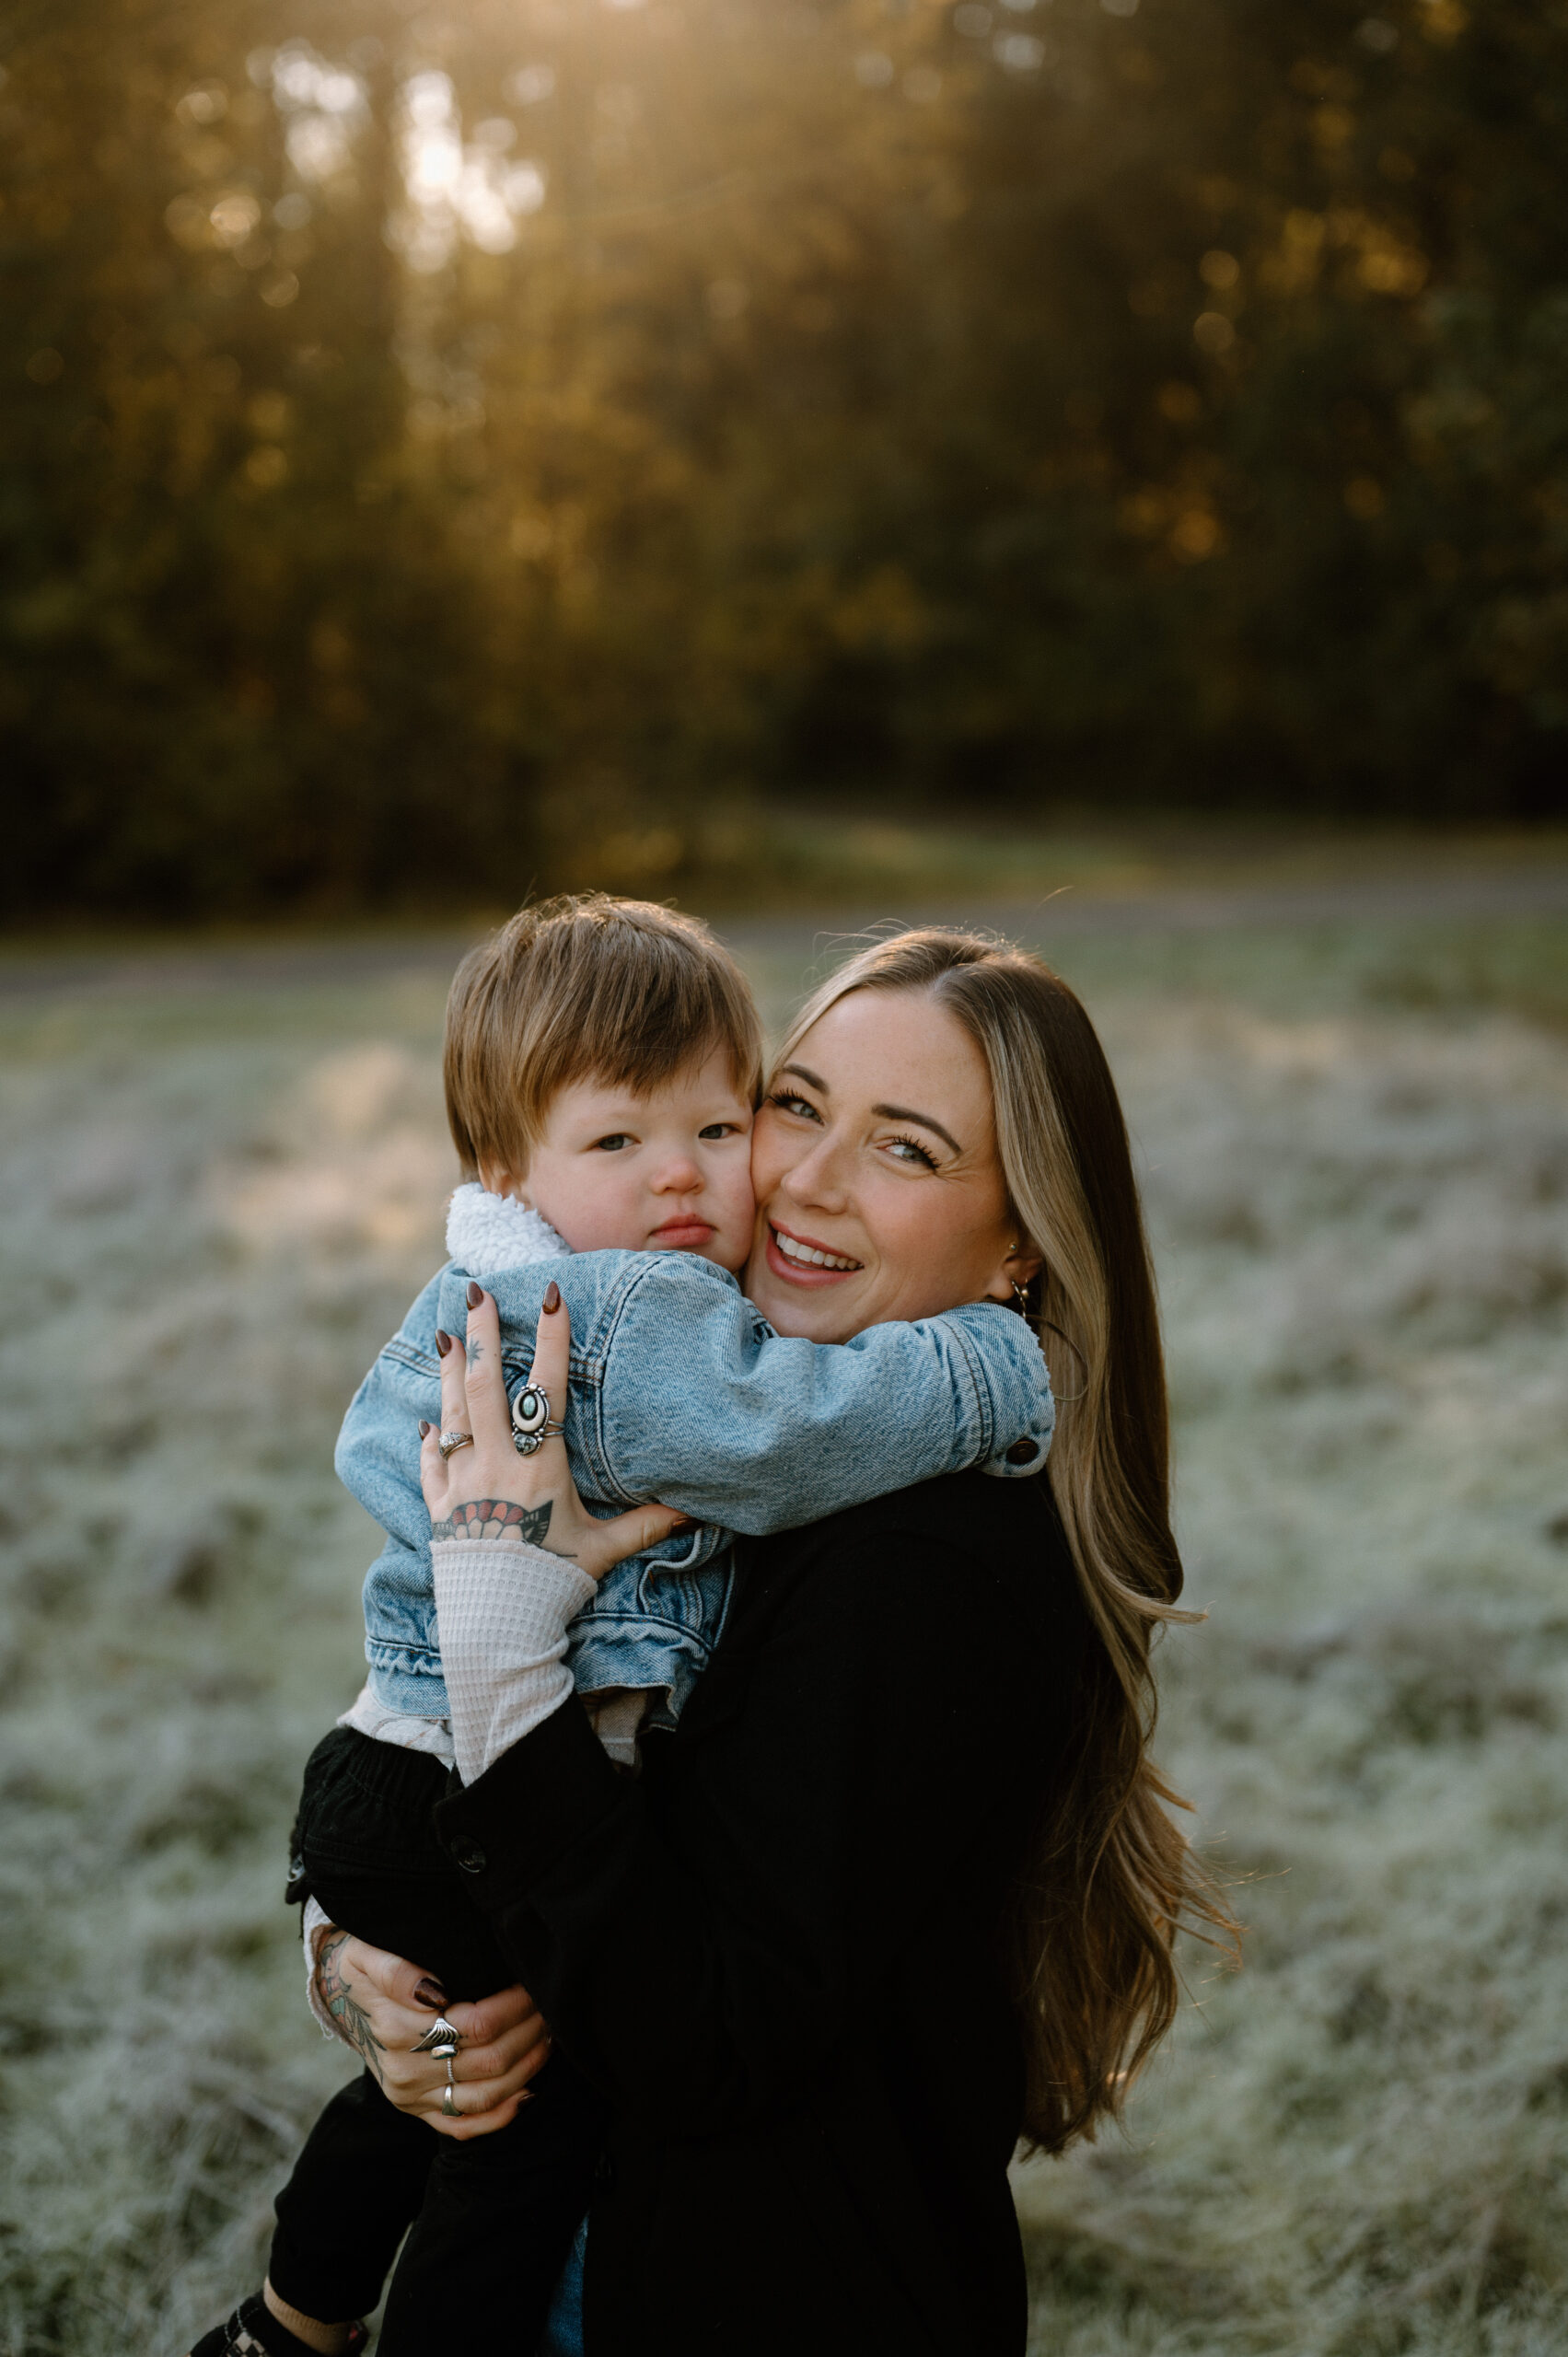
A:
[802, 1272]
[681, 1234]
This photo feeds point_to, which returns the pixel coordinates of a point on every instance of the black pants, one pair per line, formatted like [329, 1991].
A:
[489, 2222]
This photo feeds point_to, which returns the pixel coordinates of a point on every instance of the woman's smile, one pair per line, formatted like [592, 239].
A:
[805, 1260]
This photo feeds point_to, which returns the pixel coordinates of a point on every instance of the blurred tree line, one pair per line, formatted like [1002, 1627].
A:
[450, 446]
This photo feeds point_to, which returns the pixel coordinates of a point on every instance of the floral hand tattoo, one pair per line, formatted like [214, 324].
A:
[337, 1995]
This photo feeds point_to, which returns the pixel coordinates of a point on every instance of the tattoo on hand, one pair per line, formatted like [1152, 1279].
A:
[496, 1519]
[473, 1349]
[337, 1995]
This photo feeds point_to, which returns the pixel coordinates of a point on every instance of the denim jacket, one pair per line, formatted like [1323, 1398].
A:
[679, 1390]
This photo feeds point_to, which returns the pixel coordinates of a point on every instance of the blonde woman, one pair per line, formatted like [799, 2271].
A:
[902, 1890]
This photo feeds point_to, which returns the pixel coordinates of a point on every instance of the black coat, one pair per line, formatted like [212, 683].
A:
[774, 1951]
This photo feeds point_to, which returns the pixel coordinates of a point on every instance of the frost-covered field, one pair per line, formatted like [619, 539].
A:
[215, 1202]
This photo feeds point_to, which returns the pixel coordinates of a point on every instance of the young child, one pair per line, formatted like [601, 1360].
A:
[602, 1062]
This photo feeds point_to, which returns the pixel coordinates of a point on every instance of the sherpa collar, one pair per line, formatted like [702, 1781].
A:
[486, 1231]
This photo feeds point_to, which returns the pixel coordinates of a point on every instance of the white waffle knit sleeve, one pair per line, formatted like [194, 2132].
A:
[317, 1923]
[501, 1611]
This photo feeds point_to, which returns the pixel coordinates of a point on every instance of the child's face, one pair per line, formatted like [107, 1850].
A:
[668, 1171]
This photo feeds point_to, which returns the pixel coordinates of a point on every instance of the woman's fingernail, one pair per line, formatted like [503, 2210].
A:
[552, 1297]
[476, 1295]
[430, 1993]
[682, 1522]
[443, 1342]
[425, 1428]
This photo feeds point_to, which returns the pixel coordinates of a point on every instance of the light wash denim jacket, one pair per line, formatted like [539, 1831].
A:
[682, 1391]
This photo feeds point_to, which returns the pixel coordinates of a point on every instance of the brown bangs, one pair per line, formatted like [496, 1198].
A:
[585, 987]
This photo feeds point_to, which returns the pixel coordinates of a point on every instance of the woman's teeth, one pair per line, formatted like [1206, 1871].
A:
[808, 1255]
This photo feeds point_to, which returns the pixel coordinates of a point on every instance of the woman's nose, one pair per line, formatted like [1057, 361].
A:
[817, 1179]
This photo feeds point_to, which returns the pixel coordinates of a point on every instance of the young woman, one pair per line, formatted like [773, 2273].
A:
[901, 1888]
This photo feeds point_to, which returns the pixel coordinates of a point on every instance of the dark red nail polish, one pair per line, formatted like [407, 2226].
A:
[552, 1297]
[425, 1428]
[430, 1993]
[443, 1342]
[476, 1295]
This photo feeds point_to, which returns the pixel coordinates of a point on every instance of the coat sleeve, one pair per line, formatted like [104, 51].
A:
[703, 1406]
[700, 1958]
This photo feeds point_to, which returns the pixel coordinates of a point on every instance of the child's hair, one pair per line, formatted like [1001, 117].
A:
[584, 987]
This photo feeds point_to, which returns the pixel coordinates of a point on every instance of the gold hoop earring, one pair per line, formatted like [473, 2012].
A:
[1065, 1399]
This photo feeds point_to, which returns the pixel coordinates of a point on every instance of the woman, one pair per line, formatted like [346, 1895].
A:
[901, 1888]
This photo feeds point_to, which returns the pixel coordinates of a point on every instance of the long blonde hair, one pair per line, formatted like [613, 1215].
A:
[1109, 1878]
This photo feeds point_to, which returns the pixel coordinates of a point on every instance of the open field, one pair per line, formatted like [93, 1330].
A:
[222, 1182]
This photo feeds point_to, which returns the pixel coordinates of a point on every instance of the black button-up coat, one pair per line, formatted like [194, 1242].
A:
[774, 1951]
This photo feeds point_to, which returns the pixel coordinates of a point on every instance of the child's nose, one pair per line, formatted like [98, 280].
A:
[682, 1175]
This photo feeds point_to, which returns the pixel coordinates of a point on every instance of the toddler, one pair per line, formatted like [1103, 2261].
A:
[602, 1064]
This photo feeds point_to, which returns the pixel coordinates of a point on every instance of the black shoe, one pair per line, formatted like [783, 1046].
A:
[254, 2331]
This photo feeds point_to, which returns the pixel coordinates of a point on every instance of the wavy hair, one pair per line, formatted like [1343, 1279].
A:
[1109, 1878]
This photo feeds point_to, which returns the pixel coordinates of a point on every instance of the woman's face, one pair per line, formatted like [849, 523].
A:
[876, 1150]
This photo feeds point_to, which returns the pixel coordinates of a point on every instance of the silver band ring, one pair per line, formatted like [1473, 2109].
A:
[440, 2039]
[449, 1443]
[529, 1444]
[449, 2102]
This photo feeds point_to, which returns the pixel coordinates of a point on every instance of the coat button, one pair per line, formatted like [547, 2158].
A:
[467, 1853]
[1023, 1452]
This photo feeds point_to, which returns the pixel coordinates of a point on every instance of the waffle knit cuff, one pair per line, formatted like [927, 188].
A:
[501, 1610]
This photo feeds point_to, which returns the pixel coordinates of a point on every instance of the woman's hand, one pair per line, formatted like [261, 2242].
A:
[489, 1491]
[372, 1997]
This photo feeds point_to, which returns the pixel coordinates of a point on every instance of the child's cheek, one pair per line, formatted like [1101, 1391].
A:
[731, 1247]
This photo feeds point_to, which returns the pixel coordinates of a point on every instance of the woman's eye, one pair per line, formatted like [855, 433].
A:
[611, 1145]
[911, 1150]
[797, 1105]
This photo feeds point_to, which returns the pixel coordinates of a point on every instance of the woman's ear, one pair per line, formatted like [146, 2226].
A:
[1020, 1266]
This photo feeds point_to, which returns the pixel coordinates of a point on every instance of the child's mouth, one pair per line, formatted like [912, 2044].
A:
[797, 1258]
[684, 1235]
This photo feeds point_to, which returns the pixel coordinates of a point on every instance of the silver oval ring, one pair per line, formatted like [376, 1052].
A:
[531, 1409]
[533, 1424]
[449, 1443]
[449, 2102]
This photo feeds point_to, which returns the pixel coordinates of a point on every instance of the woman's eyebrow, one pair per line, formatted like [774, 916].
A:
[810, 1078]
[907, 1113]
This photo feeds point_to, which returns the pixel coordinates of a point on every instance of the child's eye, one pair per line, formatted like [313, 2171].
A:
[720, 1130]
[612, 1143]
[911, 1150]
[789, 1103]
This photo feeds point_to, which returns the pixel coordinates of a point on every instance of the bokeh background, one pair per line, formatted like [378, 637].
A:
[1096, 468]
[568, 440]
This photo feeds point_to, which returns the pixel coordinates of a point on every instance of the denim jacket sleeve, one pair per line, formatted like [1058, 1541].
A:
[682, 1391]
[703, 1406]
[374, 1458]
